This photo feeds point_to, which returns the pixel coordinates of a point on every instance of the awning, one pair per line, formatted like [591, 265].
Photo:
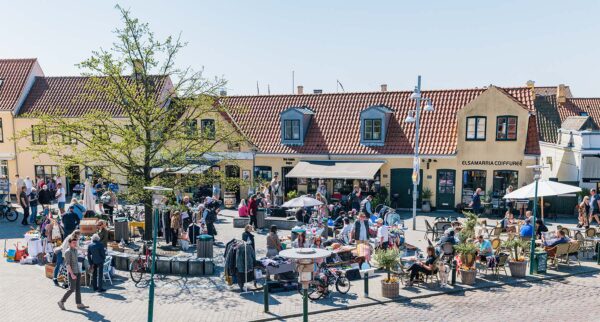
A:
[188, 169]
[591, 169]
[335, 169]
[7, 156]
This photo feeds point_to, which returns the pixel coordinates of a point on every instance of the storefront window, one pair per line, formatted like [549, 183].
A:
[263, 173]
[503, 179]
[311, 186]
[473, 179]
[342, 186]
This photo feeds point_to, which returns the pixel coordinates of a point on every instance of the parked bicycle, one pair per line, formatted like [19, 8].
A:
[140, 265]
[8, 211]
[325, 278]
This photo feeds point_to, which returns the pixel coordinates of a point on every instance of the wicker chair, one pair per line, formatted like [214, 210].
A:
[496, 245]
[561, 251]
[496, 232]
[426, 278]
[501, 264]
[574, 248]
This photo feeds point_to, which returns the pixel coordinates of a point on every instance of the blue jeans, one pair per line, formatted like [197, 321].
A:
[59, 261]
[33, 210]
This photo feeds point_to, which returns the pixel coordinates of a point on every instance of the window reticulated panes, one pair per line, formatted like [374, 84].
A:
[506, 128]
[38, 134]
[476, 128]
[68, 137]
[291, 129]
[3, 168]
[46, 171]
[446, 182]
[191, 128]
[372, 130]
[207, 126]
[473, 179]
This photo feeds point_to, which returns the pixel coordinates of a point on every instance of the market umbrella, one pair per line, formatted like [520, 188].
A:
[302, 201]
[89, 200]
[545, 188]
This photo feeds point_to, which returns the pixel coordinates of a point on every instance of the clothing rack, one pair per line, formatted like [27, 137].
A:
[246, 270]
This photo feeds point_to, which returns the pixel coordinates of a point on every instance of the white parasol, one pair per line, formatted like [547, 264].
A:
[302, 201]
[89, 200]
[545, 188]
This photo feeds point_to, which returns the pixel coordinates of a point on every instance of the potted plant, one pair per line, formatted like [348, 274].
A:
[467, 252]
[426, 197]
[468, 230]
[292, 194]
[517, 264]
[388, 259]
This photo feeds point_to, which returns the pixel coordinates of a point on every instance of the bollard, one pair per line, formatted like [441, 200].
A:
[598, 253]
[305, 305]
[366, 279]
[266, 296]
[453, 268]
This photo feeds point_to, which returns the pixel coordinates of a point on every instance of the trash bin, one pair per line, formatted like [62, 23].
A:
[209, 267]
[540, 262]
[260, 218]
[121, 230]
[163, 265]
[179, 266]
[204, 247]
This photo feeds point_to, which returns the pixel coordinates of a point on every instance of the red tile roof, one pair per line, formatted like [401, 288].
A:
[335, 125]
[576, 106]
[71, 96]
[13, 73]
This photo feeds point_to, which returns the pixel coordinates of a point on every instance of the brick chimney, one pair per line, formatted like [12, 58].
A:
[561, 94]
[384, 88]
[300, 90]
[531, 85]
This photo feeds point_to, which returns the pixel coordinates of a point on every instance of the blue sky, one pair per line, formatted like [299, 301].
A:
[452, 44]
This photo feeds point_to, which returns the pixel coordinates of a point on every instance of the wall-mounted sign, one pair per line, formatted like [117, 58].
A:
[496, 163]
[289, 161]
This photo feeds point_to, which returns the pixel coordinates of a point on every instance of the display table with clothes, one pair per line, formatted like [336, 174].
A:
[277, 266]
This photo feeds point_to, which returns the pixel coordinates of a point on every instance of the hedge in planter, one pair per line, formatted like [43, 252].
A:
[517, 263]
[388, 259]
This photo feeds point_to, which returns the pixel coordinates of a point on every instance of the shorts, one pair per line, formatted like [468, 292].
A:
[61, 205]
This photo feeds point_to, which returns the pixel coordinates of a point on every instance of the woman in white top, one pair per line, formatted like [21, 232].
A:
[346, 231]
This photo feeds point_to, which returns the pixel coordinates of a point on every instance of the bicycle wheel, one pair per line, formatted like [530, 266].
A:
[342, 284]
[12, 215]
[313, 291]
[137, 270]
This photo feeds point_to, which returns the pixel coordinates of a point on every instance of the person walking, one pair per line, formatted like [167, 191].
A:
[24, 202]
[476, 201]
[175, 226]
[253, 210]
[273, 242]
[594, 207]
[70, 260]
[45, 198]
[96, 257]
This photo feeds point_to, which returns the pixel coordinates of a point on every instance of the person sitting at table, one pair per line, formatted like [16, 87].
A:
[361, 229]
[485, 248]
[300, 241]
[454, 226]
[527, 229]
[550, 244]
[424, 267]
[449, 236]
[541, 227]
[317, 242]
[508, 219]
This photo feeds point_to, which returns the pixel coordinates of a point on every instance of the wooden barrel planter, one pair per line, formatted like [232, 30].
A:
[390, 290]
[467, 277]
[517, 269]
[229, 200]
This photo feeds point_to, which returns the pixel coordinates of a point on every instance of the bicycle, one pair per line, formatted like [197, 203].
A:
[8, 211]
[325, 278]
[140, 265]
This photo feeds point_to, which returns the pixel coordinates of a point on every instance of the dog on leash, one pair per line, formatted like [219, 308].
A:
[443, 271]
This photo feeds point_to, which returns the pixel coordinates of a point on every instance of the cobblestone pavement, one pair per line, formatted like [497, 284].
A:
[572, 299]
[27, 295]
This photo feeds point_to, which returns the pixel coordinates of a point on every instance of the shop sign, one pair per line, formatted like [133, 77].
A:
[496, 163]
[289, 161]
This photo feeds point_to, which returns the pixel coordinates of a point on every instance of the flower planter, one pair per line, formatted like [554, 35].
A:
[390, 290]
[468, 260]
[426, 206]
[517, 269]
[467, 277]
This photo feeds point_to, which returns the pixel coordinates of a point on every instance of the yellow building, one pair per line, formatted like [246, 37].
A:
[482, 138]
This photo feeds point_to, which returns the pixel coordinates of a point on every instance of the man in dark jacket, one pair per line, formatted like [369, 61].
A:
[96, 257]
[70, 221]
[253, 210]
[361, 229]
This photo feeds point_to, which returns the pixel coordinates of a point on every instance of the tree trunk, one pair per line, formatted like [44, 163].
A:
[148, 217]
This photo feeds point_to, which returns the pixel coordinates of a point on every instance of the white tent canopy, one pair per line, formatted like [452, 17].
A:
[302, 201]
[545, 188]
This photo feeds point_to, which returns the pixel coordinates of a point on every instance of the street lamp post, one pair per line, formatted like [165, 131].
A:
[537, 169]
[157, 196]
[415, 118]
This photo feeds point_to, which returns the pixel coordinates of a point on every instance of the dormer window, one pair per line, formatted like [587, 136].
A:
[295, 122]
[372, 129]
[291, 129]
[373, 125]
